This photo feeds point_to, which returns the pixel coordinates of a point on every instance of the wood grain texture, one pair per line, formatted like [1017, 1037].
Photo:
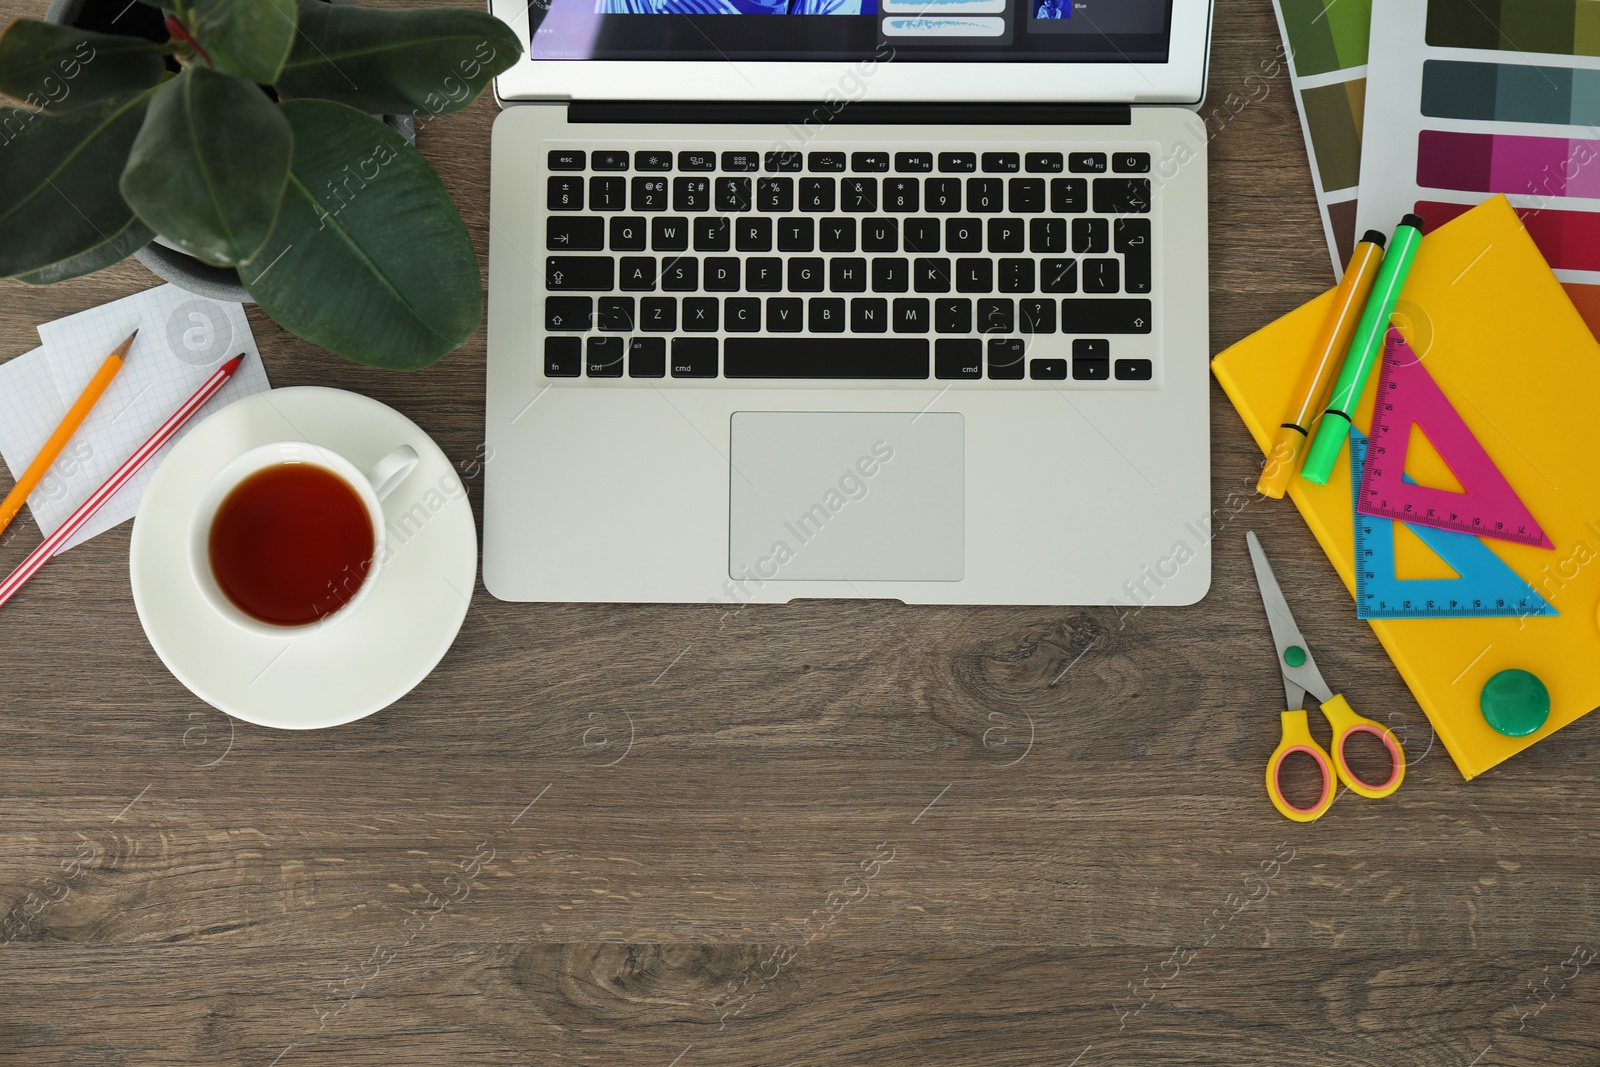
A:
[820, 834]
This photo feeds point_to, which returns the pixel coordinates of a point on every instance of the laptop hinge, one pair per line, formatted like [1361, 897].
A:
[859, 114]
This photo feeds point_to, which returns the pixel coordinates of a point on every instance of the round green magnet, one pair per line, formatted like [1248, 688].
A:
[1294, 655]
[1515, 703]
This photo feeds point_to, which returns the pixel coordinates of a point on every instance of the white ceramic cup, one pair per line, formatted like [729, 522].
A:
[371, 486]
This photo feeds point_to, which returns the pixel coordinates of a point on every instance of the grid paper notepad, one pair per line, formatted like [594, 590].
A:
[182, 340]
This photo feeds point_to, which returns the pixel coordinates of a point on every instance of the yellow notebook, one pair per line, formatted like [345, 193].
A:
[1502, 339]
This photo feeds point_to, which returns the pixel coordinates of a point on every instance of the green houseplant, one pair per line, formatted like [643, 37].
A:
[246, 139]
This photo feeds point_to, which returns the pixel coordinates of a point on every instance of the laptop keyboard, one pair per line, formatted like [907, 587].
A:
[860, 265]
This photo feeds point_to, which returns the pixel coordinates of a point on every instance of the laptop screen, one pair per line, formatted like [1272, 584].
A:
[942, 31]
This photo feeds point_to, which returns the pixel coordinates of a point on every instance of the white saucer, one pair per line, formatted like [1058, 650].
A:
[354, 666]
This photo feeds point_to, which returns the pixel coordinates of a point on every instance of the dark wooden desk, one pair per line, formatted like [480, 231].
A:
[811, 835]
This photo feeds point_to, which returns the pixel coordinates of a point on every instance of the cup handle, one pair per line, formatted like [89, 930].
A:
[391, 470]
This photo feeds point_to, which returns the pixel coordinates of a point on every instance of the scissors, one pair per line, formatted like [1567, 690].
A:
[1300, 676]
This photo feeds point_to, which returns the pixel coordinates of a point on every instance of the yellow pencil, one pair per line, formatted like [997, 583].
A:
[69, 425]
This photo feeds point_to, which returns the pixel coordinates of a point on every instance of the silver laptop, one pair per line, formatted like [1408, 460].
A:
[899, 299]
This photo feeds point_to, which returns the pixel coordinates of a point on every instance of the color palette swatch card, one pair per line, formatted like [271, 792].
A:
[1483, 97]
[182, 340]
[1327, 45]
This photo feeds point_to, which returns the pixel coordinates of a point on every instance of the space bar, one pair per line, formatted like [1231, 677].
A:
[825, 357]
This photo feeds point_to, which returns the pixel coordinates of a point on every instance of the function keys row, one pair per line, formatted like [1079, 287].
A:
[864, 162]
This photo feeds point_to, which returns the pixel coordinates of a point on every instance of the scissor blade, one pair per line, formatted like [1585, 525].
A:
[1285, 633]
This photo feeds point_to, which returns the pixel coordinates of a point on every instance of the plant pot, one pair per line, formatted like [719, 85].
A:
[160, 257]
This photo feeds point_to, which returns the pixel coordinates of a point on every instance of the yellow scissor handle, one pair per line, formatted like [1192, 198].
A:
[1297, 738]
[1346, 722]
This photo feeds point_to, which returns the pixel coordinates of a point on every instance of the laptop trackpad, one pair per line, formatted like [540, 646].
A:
[847, 496]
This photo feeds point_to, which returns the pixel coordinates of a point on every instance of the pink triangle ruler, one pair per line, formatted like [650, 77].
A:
[1408, 394]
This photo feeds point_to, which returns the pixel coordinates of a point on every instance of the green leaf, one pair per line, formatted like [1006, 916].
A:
[208, 168]
[114, 249]
[58, 181]
[369, 258]
[250, 38]
[395, 61]
[62, 68]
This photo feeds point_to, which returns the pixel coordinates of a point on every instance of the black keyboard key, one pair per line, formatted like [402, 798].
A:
[1086, 162]
[958, 162]
[1131, 237]
[566, 193]
[963, 235]
[694, 357]
[931, 275]
[880, 235]
[825, 162]
[1101, 276]
[957, 358]
[733, 195]
[691, 194]
[944, 194]
[608, 193]
[681, 275]
[797, 235]
[563, 357]
[1122, 196]
[816, 194]
[869, 161]
[669, 233]
[833, 357]
[920, 235]
[638, 274]
[712, 233]
[700, 314]
[649, 194]
[1036, 316]
[783, 162]
[847, 274]
[806, 274]
[652, 159]
[1091, 370]
[775, 194]
[1043, 162]
[658, 314]
[952, 315]
[743, 314]
[616, 314]
[974, 275]
[627, 233]
[1027, 195]
[869, 314]
[785, 314]
[609, 161]
[1091, 235]
[567, 159]
[837, 235]
[567, 233]
[997, 316]
[1134, 370]
[890, 275]
[1048, 370]
[753, 234]
[986, 194]
[1058, 275]
[647, 357]
[1016, 276]
[568, 314]
[722, 274]
[911, 315]
[1006, 355]
[1047, 235]
[858, 194]
[827, 314]
[580, 272]
[1069, 196]
[1130, 162]
[1005, 235]
[763, 274]
[1001, 163]
[1105, 316]
[741, 161]
[697, 161]
[603, 357]
[900, 194]
[913, 162]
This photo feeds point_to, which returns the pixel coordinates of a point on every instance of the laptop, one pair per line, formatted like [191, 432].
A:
[900, 299]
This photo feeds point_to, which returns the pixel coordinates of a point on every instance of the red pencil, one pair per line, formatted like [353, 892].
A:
[86, 511]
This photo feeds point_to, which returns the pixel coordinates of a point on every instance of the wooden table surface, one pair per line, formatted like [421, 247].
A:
[827, 833]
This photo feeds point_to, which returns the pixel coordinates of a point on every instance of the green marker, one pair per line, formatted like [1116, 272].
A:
[1365, 347]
